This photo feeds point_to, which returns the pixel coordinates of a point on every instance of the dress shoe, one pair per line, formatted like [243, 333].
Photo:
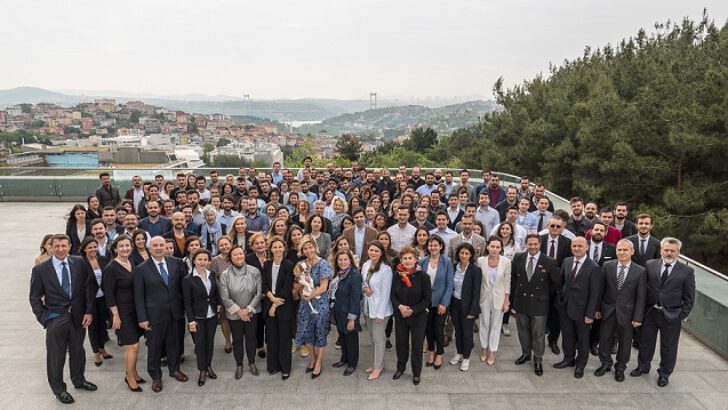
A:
[98, 364]
[273, 372]
[349, 371]
[594, 350]
[211, 373]
[637, 372]
[555, 348]
[397, 375]
[309, 369]
[157, 385]
[261, 354]
[375, 374]
[437, 366]
[179, 376]
[88, 386]
[614, 348]
[141, 381]
[107, 356]
[388, 345]
[662, 380]
[253, 369]
[538, 369]
[135, 389]
[202, 378]
[619, 375]
[65, 397]
[523, 359]
[315, 375]
[238, 372]
[602, 370]
[564, 364]
[415, 380]
[285, 376]
[338, 364]
[578, 372]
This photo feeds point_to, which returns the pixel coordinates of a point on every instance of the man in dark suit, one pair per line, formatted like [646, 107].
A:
[599, 252]
[622, 308]
[579, 296]
[670, 298]
[360, 235]
[160, 310]
[154, 224]
[625, 226]
[534, 280]
[63, 301]
[107, 194]
[646, 246]
[558, 247]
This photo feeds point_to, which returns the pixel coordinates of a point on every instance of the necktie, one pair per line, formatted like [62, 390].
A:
[540, 222]
[209, 242]
[620, 277]
[573, 271]
[642, 246]
[552, 250]
[595, 255]
[165, 275]
[665, 272]
[529, 268]
[65, 280]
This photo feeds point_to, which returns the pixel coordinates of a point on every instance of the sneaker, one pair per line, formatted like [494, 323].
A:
[506, 330]
[389, 345]
[465, 365]
[304, 351]
[456, 359]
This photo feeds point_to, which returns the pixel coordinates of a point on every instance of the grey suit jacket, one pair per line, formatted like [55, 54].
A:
[629, 302]
[477, 241]
[677, 295]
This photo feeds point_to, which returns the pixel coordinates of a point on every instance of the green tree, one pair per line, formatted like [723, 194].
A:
[222, 142]
[134, 118]
[421, 139]
[349, 147]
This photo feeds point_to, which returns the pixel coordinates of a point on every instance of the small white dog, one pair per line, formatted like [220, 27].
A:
[303, 276]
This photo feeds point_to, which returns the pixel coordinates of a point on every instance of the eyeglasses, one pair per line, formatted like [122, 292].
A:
[554, 226]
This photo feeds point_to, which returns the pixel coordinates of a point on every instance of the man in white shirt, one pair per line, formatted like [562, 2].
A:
[403, 232]
[441, 230]
[488, 216]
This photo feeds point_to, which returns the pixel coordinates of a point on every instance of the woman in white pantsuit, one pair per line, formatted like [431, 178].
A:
[377, 288]
[494, 301]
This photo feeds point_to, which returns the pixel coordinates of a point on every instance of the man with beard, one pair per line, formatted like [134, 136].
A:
[107, 194]
[624, 225]
[190, 225]
[98, 230]
[645, 245]
[606, 216]
[153, 223]
[599, 252]
[511, 199]
[578, 224]
[178, 234]
[112, 228]
[256, 221]
[227, 215]
[590, 211]
[496, 194]
[525, 190]
[428, 186]
[540, 192]
[415, 180]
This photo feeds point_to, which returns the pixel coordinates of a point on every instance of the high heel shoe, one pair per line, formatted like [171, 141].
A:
[137, 389]
[374, 374]
[437, 366]
[211, 373]
[201, 379]
[253, 369]
[309, 369]
[141, 381]
[106, 356]
[97, 360]
[316, 375]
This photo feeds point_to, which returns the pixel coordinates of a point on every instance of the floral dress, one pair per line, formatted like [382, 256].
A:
[313, 328]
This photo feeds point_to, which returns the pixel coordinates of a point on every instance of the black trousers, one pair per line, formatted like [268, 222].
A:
[390, 327]
[163, 335]
[181, 329]
[63, 336]
[204, 339]
[463, 328]
[244, 331]
[575, 339]
[506, 317]
[609, 329]
[278, 337]
[349, 348]
[669, 330]
[410, 332]
[98, 335]
[260, 330]
[595, 333]
[435, 331]
[553, 323]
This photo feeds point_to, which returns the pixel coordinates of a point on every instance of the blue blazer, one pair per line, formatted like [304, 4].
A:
[347, 304]
[443, 286]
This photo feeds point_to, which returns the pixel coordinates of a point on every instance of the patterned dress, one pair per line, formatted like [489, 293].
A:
[313, 328]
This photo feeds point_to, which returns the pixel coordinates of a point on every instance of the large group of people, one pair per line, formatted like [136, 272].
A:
[276, 259]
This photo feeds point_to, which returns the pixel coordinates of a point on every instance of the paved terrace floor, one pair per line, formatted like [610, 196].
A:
[699, 382]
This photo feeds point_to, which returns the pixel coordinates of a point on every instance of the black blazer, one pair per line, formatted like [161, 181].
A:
[347, 300]
[457, 219]
[628, 229]
[652, 250]
[677, 295]
[629, 302]
[103, 261]
[46, 294]
[562, 252]
[609, 253]
[284, 289]
[533, 297]
[75, 240]
[470, 294]
[196, 298]
[156, 302]
[581, 298]
[418, 297]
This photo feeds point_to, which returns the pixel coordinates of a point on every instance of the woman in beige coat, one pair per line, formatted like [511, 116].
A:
[494, 292]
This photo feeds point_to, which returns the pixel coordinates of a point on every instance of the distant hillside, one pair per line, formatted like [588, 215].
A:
[393, 121]
[33, 95]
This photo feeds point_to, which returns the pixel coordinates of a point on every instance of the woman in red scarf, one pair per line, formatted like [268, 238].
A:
[411, 296]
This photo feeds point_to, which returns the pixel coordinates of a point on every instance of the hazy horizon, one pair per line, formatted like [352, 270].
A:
[317, 49]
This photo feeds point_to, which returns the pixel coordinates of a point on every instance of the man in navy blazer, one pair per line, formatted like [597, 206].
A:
[63, 302]
[579, 297]
[160, 309]
[670, 298]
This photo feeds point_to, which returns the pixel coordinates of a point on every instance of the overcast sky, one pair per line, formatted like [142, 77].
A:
[310, 48]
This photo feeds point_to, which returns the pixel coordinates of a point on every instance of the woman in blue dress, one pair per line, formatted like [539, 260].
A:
[313, 311]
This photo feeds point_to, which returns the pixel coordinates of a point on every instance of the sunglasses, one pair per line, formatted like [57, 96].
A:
[554, 226]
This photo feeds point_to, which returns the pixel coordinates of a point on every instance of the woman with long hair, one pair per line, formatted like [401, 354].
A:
[293, 243]
[46, 249]
[465, 303]
[192, 243]
[217, 266]
[93, 211]
[342, 245]
[168, 188]
[278, 227]
[494, 293]
[506, 233]
[97, 334]
[391, 257]
[140, 252]
[238, 233]
[303, 211]
[439, 269]
[77, 227]
[380, 222]
[377, 287]
[118, 285]
[314, 228]
[420, 240]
